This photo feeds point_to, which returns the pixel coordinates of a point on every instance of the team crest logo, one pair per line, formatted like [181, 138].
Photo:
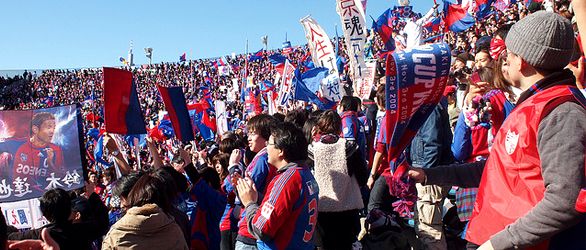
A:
[511, 141]
[23, 157]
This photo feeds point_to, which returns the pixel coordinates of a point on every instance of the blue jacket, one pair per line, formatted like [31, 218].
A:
[431, 146]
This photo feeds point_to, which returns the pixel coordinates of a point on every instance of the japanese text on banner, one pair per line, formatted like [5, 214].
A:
[322, 50]
[352, 17]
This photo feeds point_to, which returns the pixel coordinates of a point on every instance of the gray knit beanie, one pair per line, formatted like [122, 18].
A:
[543, 39]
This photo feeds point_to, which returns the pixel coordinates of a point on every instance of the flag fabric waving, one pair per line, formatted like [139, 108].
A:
[483, 8]
[383, 26]
[182, 58]
[410, 99]
[122, 114]
[306, 86]
[256, 56]
[174, 100]
[456, 17]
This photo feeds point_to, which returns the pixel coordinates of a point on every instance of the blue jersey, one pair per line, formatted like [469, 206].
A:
[353, 129]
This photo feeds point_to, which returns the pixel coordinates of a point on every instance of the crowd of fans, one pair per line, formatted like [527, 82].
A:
[255, 186]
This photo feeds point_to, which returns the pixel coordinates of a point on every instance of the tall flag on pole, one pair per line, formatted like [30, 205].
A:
[352, 17]
[456, 17]
[122, 114]
[286, 84]
[174, 100]
[320, 45]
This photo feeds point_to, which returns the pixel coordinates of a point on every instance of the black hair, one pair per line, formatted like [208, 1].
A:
[348, 103]
[297, 117]
[280, 117]
[290, 139]
[212, 177]
[227, 145]
[56, 205]
[261, 125]
[178, 178]
[125, 184]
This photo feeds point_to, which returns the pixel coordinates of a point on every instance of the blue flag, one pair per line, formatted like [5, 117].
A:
[307, 84]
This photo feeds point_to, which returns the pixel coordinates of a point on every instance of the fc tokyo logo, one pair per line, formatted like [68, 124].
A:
[23, 157]
[511, 141]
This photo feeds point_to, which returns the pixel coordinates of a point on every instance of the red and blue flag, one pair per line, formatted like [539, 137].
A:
[483, 7]
[256, 56]
[383, 26]
[122, 113]
[182, 58]
[433, 25]
[457, 18]
[174, 100]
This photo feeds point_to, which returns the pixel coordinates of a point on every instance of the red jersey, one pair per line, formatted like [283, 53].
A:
[32, 163]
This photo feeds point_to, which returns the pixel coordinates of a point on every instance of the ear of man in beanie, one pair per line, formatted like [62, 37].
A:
[543, 39]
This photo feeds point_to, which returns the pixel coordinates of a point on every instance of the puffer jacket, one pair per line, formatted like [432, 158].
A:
[145, 227]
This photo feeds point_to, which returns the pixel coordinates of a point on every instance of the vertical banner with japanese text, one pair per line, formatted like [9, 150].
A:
[352, 18]
[39, 150]
[363, 86]
[320, 45]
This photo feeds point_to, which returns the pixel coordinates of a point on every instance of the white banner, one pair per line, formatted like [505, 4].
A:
[221, 120]
[25, 214]
[352, 17]
[286, 82]
[320, 45]
[363, 86]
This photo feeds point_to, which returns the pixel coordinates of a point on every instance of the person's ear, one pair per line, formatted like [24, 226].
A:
[35, 129]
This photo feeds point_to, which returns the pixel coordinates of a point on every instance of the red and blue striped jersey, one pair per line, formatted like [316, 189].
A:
[287, 216]
[261, 173]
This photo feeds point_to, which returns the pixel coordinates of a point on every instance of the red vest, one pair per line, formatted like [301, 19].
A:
[511, 183]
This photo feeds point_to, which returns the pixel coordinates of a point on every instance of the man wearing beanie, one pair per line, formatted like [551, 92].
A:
[529, 185]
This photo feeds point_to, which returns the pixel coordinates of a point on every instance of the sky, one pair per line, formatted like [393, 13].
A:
[40, 34]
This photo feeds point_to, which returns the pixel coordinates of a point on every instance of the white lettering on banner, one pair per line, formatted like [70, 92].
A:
[53, 182]
[5, 190]
[21, 187]
[330, 88]
[71, 178]
[352, 18]
[320, 46]
[30, 170]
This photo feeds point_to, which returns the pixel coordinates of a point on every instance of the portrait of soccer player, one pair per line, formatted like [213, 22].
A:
[39, 157]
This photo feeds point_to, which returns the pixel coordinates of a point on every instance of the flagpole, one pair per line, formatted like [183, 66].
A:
[245, 78]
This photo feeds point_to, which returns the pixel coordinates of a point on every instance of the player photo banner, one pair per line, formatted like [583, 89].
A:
[39, 150]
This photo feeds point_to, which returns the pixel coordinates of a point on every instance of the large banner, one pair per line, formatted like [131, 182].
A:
[416, 79]
[352, 17]
[322, 50]
[39, 150]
